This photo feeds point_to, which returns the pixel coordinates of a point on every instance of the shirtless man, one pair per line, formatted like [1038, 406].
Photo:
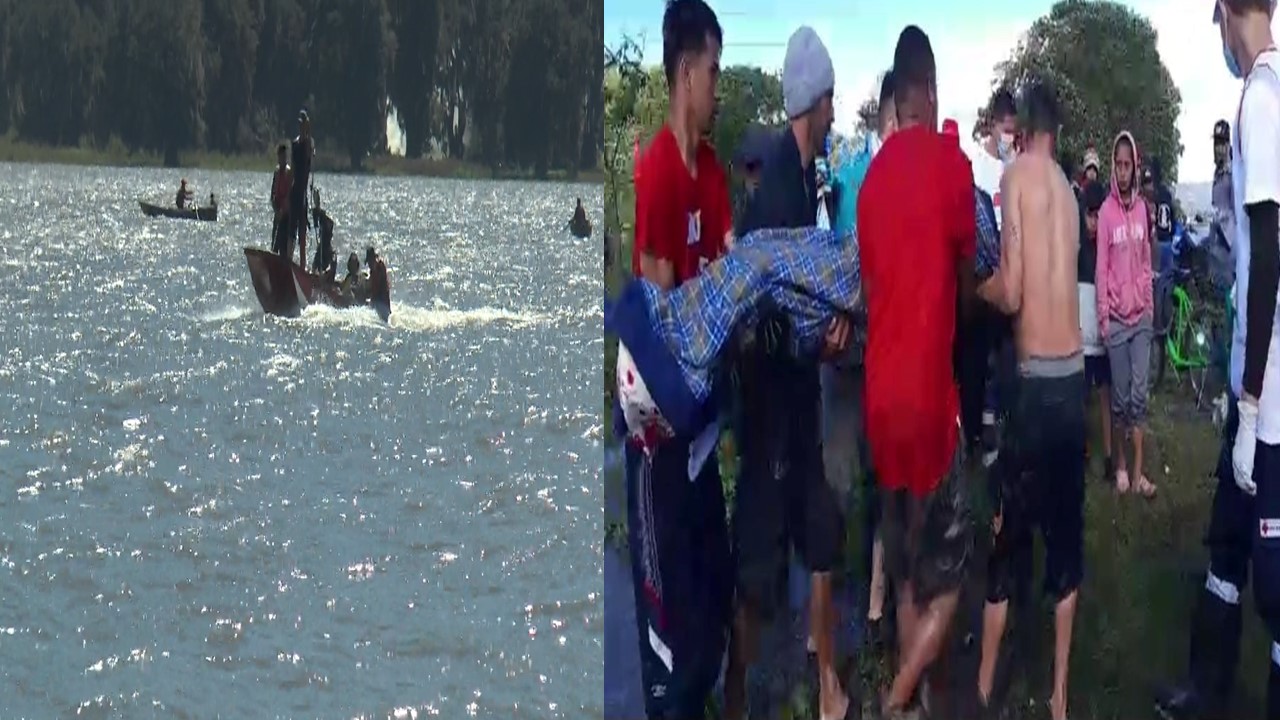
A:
[1040, 479]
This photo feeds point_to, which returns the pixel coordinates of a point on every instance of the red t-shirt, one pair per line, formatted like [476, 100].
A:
[679, 218]
[915, 224]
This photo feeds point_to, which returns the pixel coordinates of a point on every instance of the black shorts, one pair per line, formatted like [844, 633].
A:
[782, 499]
[1039, 482]
[1097, 371]
[928, 541]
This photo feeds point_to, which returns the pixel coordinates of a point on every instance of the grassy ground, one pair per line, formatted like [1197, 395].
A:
[1144, 565]
[115, 154]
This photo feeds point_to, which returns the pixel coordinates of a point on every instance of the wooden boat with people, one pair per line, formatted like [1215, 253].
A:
[192, 213]
[284, 288]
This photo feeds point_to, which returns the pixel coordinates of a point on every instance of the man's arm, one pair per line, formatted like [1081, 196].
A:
[655, 239]
[1264, 279]
[1260, 147]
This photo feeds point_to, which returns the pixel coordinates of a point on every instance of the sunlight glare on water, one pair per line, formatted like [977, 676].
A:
[205, 511]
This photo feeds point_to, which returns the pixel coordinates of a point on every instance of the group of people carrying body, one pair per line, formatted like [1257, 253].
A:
[945, 256]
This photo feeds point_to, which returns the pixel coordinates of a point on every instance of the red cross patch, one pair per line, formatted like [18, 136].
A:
[1269, 528]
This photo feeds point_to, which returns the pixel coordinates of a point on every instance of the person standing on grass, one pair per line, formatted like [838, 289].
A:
[783, 500]
[1124, 297]
[1224, 213]
[1097, 367]
[916, 246]
[676, 526]
[1244, 527]
[1041, 465]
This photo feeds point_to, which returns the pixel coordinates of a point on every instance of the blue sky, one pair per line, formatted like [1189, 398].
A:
[968, 38]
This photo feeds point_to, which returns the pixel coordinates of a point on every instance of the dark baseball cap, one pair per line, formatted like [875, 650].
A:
[1222, 131]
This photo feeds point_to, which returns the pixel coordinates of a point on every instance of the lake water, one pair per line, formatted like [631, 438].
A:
[207, 512]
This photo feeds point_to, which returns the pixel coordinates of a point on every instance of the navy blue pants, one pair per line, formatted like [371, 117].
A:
[1244, 532]
[683, 578]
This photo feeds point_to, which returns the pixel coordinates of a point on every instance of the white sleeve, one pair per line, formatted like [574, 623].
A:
[1260, 141]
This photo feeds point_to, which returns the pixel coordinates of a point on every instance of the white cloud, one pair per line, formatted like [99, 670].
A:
[1191, 47]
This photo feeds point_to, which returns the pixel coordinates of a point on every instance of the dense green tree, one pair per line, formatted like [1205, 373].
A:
[234, 28]
[351, 52]
[230, 75]
[1102, 58]
[418, 25]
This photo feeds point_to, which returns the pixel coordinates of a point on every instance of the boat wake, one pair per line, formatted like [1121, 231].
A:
[416, 319]
[225, 314]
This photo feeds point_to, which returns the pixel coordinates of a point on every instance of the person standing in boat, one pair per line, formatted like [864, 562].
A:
[379, 285]
[184, 195]
[281, 181]
[304, 150]
[326, 260]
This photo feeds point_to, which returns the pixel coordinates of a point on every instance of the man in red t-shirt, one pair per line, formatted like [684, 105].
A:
[677, 530]
[916, 243]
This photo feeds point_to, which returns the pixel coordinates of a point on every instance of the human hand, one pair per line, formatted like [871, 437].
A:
[836, 341]
[1245, 445]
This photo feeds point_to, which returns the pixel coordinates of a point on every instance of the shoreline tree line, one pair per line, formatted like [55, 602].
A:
[506, 84]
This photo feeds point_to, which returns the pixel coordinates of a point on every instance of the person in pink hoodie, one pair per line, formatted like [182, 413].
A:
[1124, 278]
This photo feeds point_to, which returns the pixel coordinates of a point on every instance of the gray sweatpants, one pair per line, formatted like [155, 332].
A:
[1129, 349]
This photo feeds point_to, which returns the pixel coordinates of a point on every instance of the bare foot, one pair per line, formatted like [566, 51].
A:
[1122, 482]
[834, 705]
[1058, 708]
[1144, 487]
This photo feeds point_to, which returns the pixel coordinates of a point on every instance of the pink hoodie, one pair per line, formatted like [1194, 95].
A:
[1124, 275]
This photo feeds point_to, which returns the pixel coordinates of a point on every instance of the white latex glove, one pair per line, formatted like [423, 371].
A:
[1246, 444]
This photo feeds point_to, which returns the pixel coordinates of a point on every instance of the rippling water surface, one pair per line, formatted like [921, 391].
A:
[207, 512]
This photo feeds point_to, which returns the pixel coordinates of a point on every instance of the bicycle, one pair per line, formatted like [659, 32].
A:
[1188, 339]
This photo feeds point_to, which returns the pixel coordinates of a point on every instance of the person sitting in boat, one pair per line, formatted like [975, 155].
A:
[355, 285]
[281, 184]
[213, 201]
[579, 225]
[379, 285]
[184, 195]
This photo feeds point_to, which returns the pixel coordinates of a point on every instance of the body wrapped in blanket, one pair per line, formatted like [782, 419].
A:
[671, 342]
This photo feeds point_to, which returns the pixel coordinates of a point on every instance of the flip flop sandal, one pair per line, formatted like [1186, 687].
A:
[1122, 482]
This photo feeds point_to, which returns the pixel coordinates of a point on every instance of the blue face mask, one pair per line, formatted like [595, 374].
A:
[1232, 66]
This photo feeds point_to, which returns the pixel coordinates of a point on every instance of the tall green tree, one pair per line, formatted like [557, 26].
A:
[418, 25]
[233, 29]
[1102, 58]
[351, 53]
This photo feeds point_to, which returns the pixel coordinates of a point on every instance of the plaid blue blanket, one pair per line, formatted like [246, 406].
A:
[677, 337]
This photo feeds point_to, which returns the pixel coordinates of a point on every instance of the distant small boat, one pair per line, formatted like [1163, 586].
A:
[193, 213]
[580, 230]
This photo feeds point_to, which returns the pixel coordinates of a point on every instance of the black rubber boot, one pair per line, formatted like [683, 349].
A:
[1215, 653]
[1273, 692]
